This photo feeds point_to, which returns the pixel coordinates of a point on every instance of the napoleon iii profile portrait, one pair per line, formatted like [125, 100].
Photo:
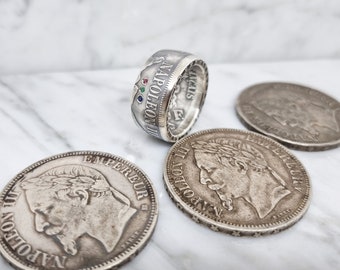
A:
[72, 201]
[234, 169]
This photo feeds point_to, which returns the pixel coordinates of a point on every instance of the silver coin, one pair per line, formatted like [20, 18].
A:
[297, 116]
[238, 182]
[77, 210]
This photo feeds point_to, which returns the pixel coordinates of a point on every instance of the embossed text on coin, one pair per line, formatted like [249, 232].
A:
[237, 182]
[78, 210]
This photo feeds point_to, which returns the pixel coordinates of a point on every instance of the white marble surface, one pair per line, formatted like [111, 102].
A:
[69, 35]
[46, 114]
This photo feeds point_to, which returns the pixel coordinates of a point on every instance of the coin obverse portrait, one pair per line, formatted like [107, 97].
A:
[237, 182]
[76, 210]
[234, 169]
[66, 203]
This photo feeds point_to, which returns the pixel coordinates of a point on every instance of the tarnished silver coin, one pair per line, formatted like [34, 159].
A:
[297, 116]
[238, 182]
[77, 210]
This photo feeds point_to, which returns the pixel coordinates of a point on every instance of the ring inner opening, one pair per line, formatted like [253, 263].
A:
[186, 100]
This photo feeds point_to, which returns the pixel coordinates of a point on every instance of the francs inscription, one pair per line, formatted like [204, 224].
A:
[183, 94]
[192, 84]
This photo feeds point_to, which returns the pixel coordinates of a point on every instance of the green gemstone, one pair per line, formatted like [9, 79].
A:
[142, 89]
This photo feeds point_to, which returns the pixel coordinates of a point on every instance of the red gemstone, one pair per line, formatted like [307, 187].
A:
[145, 81]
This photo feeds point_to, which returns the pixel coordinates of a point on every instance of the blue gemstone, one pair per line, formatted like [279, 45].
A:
[140, 99]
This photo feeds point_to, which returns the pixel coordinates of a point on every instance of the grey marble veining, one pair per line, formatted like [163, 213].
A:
[69, 35]
[45, 114]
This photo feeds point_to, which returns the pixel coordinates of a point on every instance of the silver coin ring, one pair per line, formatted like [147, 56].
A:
[169, 94]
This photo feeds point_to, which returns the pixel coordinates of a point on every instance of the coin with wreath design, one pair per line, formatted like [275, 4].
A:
[237, 182]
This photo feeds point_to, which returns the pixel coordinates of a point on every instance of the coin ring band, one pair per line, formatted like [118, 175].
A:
[169, 94]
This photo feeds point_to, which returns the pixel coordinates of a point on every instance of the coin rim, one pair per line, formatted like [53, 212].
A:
[240, 230]
[117, 261]
[297, 145]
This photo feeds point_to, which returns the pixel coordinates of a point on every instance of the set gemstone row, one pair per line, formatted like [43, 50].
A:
[140, 97]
